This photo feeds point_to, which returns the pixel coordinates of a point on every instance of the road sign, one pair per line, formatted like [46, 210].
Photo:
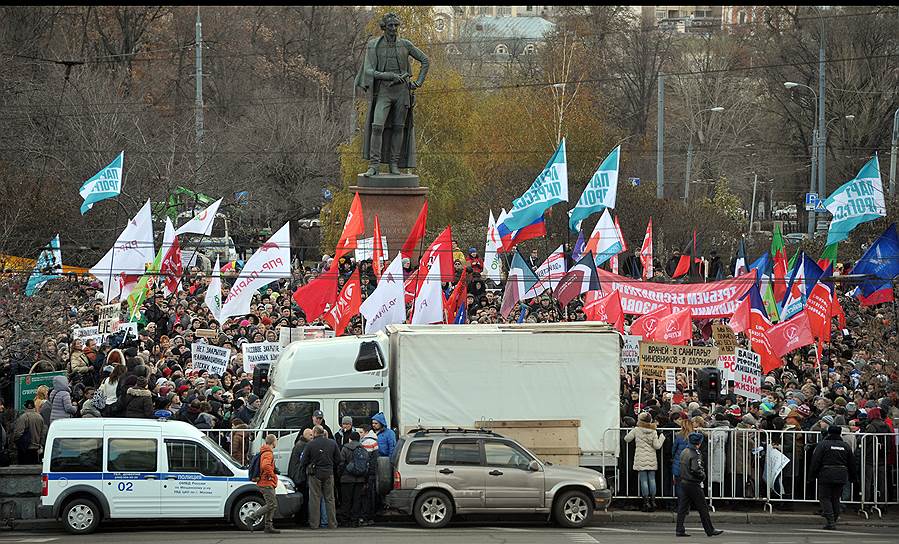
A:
[819, 207]
[27, 384]
[811, 201]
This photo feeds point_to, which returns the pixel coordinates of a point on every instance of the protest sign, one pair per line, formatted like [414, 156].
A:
[670, 380]
[293, 334]
[206, 333]
[652, 372]
[712, 299]
[670, 356]
[727, 366]
[365, 249]
[211, 358]
[748, 374]
[110, 315]
[630, 351]
[259, 352]
[724, 339]
[87, 333]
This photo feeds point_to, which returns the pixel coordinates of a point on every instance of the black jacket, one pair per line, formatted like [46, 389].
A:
[833, 462]
[296, 454]
[691, 469]
[343, 438]
[323, 454]
[346, 458]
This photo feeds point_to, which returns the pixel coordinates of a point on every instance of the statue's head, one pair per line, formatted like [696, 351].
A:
[390, 23]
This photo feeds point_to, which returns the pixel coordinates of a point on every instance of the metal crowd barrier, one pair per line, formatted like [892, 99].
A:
[768, 466]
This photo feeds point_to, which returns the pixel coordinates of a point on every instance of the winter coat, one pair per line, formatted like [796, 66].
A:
[744, 442]
[30, 421]
[205, 421]
[833, 462]
[138, 403]
[89, 410]
[646, 441]
[877, 448]
[679, 445]
[296, 454]
[109, 389]
[386, 436]
[61, 399]
[267, 475]
[346, 458]
[691, 468]
[79, 363]
[717, 451]
[238, 444]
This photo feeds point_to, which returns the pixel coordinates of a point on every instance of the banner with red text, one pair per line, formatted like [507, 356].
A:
[713, 299]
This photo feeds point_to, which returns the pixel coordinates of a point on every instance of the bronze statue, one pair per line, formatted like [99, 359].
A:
[385, 77]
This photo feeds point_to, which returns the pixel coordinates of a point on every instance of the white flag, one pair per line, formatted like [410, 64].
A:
[125, 262]
[549, 273]
[428, 306]
[604, 242]
[214, 292]
[202, 222]
[270, 262]
[387, 304]
[492, 263]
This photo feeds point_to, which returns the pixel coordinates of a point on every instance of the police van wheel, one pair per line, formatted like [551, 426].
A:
[244, 508]
[81, 516]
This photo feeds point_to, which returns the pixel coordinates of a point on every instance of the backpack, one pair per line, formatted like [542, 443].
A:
[254, 471]
[359, 465]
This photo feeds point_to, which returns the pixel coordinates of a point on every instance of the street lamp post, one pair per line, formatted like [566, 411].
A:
[690, 153]
[816, 152]
[893, 150]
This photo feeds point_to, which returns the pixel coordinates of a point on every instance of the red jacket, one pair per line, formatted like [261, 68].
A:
[267, 476]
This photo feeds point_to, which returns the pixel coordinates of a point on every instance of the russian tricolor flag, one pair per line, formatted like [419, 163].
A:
[511, 238]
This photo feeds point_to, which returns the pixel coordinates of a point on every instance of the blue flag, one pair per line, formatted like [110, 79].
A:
[47, 267]
[803, 278]
[880, 261]
[550, 187]
[461, 315]
[856, 201]
[522, 313]
[578, 250]
[600, 192]
[106, 183]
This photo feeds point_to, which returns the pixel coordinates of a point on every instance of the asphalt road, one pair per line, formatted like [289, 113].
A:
[462, 533]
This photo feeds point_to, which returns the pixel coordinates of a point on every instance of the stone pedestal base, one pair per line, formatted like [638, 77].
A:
[387, 181]
[396, 207]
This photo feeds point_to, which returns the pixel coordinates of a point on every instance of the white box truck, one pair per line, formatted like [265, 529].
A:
[452, 376]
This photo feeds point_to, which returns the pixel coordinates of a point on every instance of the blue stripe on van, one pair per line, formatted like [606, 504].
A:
[140, 476]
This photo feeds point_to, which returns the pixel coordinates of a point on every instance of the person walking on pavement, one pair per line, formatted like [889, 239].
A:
[266, 483]
[692, 476]
[322, 456]
[833, 465]
[28, 435]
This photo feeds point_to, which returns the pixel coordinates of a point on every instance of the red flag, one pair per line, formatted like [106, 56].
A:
[417, 233]
[605, 308]
[171, 268]
[410, 285]
[377, 248]
[646, 324]
[317, 294]
[740, 321]
[790, 335]
[441, 248]
[346, 305]
[758, 339]
[837, 311]
[675, 328]
[877, 297]
[352, 227]
[689, 253]
[646, 252]
[819, 308]
[456, 298]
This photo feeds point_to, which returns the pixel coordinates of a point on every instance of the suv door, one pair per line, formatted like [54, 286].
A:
[460, 467]
[132, 474]
[197, 482]
[510, 483]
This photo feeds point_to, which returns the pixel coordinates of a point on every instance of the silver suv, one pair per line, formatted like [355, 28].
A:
[441, 472]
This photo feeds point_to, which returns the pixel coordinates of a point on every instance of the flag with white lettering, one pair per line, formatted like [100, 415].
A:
[550, 187]
[856, 201]
[269, 263]
[107, 183]
[600, 192]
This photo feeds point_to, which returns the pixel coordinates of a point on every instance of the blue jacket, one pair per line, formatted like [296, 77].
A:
[386, 436]
[679, 445]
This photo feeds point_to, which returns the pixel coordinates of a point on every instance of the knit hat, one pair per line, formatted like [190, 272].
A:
[108, 368]
[804, 410]
[695, 438]
[182, 389]
[749, 420]
[346, 419]
[851, 407]
[828, 419]
[251, 398]
[840, 401]
[693, 406]
[215, 389]
[644, 417]
[141, 383]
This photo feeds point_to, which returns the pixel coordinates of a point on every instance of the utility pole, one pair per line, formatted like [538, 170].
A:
[689, 168]
[822, 129]
[660, 141]
[198, 47]
[812, 221]
[893, 151]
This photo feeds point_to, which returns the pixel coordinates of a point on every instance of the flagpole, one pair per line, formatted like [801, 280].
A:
[421, 244]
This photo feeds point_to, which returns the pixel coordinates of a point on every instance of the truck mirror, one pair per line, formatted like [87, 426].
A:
[369, 357]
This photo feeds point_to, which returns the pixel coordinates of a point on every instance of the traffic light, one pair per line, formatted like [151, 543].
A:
[709, 381]
[260, 379]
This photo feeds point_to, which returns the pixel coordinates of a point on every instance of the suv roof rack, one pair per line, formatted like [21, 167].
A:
[422, 431]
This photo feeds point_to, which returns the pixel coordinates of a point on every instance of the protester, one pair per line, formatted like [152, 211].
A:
[647, 441]
[353, 471]
[386, 436]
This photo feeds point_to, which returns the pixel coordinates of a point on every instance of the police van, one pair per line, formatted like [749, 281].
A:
[121, 468]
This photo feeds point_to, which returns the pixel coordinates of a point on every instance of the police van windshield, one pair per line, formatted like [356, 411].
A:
[221, 451]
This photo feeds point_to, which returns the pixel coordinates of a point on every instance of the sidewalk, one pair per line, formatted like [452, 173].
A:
[755, 517]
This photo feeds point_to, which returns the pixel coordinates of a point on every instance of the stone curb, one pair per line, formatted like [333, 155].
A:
[750, 518]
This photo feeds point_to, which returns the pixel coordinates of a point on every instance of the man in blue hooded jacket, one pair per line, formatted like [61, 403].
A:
[386, 436]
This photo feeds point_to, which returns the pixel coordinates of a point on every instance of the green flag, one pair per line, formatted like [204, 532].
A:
[792, 262]
[770, 303]
[139, 294]
[829, 257]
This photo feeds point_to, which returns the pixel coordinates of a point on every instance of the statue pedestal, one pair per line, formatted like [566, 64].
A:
[396, 200]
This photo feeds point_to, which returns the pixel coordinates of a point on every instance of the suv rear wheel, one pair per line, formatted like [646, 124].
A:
[433, 509]
[81, 516]
[572, 509]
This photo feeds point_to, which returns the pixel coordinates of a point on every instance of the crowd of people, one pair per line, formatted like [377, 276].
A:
[855, 388]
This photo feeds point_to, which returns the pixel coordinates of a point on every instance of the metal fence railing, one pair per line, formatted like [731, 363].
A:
[763, 465]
